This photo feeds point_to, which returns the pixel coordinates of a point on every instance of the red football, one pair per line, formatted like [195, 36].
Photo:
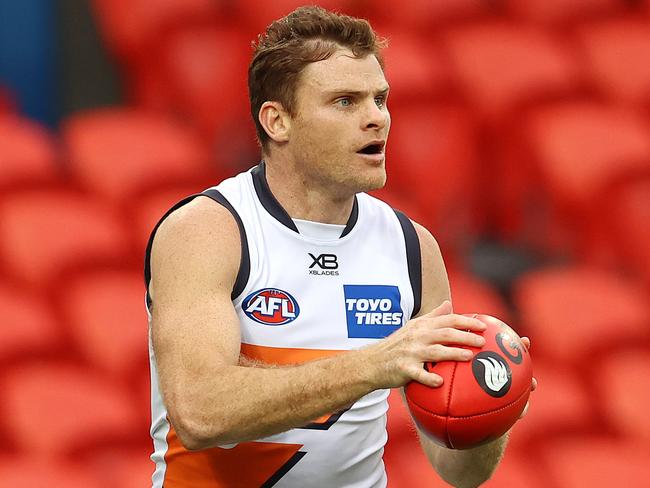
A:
[480, 399]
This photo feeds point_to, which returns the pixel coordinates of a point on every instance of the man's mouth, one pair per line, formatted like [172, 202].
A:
[375, 147]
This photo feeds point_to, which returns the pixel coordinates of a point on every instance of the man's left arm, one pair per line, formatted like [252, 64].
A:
[461, 468]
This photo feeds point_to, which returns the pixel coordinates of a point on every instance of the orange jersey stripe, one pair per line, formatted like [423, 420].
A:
[285, 356]
[247, 464]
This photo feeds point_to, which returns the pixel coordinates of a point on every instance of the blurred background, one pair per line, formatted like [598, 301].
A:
[521, 139]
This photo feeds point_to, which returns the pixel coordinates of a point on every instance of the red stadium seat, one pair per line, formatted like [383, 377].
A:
[260, 14]
[562, 10]
[562, 403]
[27, 152]
[133, 26]
[597, 463]
[196, 59]
[62, 409]
[471, 295]
[432, 157]
[415, 68]
[105, 313]
[127, 468]
[31, 471]
[582, 147]
[503, 65]
[627, 214]
[422, 14]
[30, 326]
[572, 312]
[617, 58]
[116, 153]
[44, 232]
[556, 164]
[624, 391]
[206, 67]
[516, 469]
[146, 87]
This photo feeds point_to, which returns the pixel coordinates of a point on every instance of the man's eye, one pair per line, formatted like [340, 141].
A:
[344, 102]
[380, 101]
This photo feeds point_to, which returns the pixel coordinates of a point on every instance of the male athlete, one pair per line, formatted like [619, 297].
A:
[286, 302]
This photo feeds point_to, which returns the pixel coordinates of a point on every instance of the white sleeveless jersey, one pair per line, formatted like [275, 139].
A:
[299, 299]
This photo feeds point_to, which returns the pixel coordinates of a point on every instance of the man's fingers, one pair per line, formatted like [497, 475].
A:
[438, 352]
[526, 342]
[443, 309]
[455, 336]
[423, 376]
[459, 322]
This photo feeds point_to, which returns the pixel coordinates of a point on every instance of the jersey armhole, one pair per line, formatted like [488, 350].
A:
[413, 258]
[244, 263]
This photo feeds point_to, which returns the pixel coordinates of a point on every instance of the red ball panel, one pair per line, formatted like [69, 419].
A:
[479, 400]
[466, 432]
[421, 395]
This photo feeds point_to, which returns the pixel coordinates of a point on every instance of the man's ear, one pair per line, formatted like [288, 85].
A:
[275, 120]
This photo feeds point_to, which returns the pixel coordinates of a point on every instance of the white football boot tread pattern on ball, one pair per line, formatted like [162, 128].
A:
[496, 374]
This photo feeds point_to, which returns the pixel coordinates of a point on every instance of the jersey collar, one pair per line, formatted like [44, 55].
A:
[278, 212]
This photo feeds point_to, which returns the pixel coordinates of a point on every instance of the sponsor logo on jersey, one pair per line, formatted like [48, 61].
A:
[492, 373]
[372, 311]
[270, 306]
[324, 265]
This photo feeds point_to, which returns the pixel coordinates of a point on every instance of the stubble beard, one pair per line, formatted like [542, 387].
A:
[352, 182]
[341, 180]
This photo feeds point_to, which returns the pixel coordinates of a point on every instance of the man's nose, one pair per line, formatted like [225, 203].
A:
[375, 117]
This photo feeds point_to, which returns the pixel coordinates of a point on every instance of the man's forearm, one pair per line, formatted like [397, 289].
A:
[467, 468]
[247, 403]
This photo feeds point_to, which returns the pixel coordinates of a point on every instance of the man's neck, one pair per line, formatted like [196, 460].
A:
[305, 199]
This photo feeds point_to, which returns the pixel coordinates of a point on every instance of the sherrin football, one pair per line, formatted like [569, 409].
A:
[479, 400]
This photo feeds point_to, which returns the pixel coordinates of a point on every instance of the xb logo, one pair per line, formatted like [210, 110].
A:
[326, 262]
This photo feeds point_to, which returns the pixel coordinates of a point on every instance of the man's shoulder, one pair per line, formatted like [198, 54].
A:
[201, 224]
[200, 212]
[427, 241]
[198, 242]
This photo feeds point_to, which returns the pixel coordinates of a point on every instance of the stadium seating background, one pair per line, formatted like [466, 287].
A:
[521, 139]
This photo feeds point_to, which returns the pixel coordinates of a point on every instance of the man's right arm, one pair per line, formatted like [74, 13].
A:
[210, 397]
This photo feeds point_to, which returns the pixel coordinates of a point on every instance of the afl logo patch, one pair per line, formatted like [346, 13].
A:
[492, 373]
[270, 306]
